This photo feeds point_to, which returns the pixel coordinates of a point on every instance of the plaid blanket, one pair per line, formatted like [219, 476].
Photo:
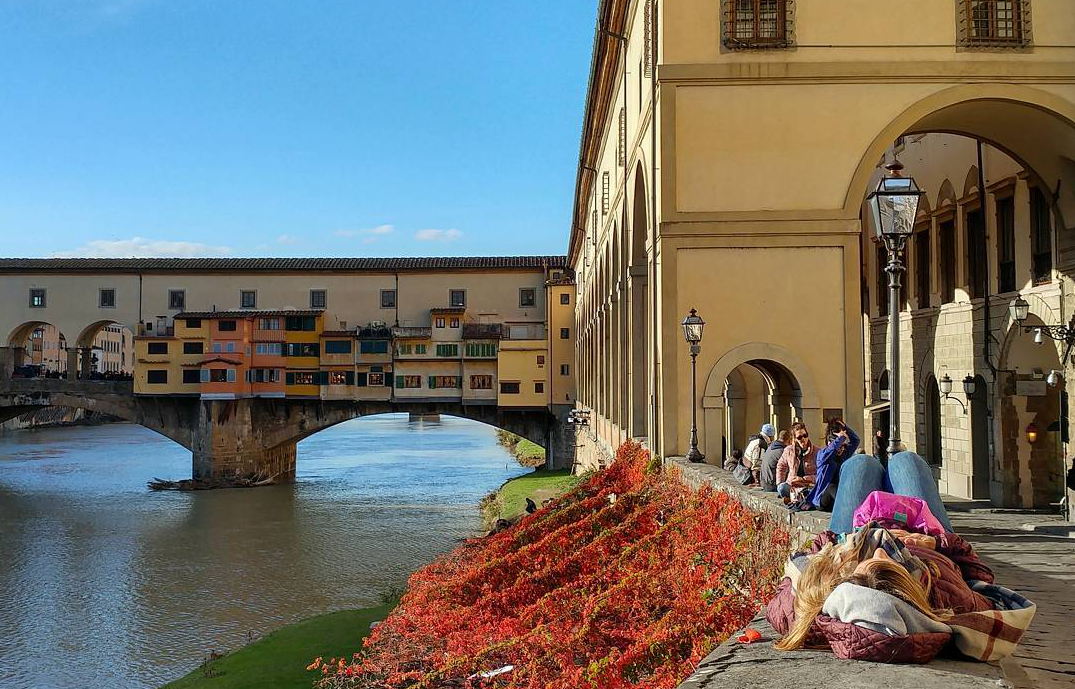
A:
[993, 634]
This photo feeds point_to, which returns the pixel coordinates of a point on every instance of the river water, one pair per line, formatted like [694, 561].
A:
[104, 583]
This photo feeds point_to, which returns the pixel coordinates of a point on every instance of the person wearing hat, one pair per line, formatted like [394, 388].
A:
[756, 447]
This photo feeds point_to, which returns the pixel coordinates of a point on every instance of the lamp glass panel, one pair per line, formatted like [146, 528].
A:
[945, 385]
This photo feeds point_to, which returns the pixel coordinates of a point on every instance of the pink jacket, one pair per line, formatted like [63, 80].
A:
[789, 464]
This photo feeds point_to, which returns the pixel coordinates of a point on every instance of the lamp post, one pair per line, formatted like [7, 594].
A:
[893, 209]
[692, 332]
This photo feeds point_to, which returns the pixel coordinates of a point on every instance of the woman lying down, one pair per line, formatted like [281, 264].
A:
[899, 587]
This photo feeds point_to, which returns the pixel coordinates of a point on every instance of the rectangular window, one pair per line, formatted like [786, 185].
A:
[1041, 243]
[341, 377]
[480, 349]
[922, 267]
[882, 279]
[439, 323]
[481, 382]
[37, 298]
[565, 333]
[453, 323]
[231, 375]
[539, 387]
[177, 299]
[302, 378]
[106, 298]
[194, 323]
[226, 326]
[447, 350]
[338, 346]
[193, 347]
[376, 379]
[441, 382]
[565, 369]
[192, 375]
[419, 349]
[268, 324]
[218, 375]
[540, 360]
[976, 253]
[527, 297]
[507, 388]
[408, 381]
[565, 298]
[604, 192]
[301, 323]
[158, 348]
[947, 260]
[157, 376]
[318, 298]
[404, 349]
[247, 299]
[994, 22]
[303, 349]
[1006, 244]
[388, 299]
[457, 298]
[375, 346]
[756, 24]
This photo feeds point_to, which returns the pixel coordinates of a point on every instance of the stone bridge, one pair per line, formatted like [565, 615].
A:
[258, 436]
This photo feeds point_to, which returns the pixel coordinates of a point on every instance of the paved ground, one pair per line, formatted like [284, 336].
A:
[1039, 565]
[1042, 568]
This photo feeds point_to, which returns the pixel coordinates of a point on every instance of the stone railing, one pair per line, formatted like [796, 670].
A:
[70, 387]
[745, 666]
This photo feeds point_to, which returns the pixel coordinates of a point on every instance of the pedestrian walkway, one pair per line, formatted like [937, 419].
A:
[1039, 565]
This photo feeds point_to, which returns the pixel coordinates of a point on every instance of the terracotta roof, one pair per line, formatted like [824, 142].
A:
[447, 309]
[246, 313]
[232, 265]
[337, 333]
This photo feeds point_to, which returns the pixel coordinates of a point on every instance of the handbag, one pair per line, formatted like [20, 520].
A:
[743, 474]
[913, 513]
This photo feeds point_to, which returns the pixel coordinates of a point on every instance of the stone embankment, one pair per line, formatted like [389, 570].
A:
[1041, 569]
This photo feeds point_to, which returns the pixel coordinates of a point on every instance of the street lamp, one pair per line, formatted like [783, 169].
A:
[893, 209]
[692, 332]
[1020, 309]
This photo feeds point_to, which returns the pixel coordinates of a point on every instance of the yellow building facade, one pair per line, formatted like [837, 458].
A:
[726, 152]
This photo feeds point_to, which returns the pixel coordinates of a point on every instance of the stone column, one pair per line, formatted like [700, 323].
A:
[10, 357]
[86, 362]
[72, 363]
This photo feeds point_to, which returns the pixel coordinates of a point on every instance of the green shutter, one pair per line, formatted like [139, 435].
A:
[361, 379]
[432, 383]
[290, 378]
[399, 382]
[349, 376]
[459, 382]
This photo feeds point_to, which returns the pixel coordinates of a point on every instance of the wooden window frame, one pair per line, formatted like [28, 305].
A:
[785, 24]
[1021, 29]
[1006, 239]
[1037, 255]
[947, 291]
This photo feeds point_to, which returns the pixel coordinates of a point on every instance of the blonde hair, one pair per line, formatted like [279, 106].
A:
[832, 566]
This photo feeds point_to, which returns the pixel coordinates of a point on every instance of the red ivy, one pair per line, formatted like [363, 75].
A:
[627, 581]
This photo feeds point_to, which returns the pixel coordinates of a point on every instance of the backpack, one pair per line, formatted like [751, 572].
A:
[743, 474]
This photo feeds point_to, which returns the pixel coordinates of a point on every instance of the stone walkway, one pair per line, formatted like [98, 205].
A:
[1037, 564]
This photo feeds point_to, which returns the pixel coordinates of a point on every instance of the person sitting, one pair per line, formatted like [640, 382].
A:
[841, 445]
[889, 594]
[733, 460]
[797, 468]
[755, 450]
[771, 459]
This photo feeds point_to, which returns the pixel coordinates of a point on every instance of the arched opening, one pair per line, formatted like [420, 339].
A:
[1031, 470]
[39, 349]
[995, 162]
[931, 448]
[638, 310]
[110, 348]
[758, 392]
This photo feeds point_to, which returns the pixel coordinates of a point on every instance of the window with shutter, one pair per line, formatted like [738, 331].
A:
[604, 192]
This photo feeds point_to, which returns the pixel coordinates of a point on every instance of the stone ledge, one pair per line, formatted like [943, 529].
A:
[733, 665]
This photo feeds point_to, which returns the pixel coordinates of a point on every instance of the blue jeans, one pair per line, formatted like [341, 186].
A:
[908, 474]
[784, 490]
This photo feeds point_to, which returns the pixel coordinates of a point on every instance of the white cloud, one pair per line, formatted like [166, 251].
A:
[379, 230]
[438, 235]
[287, 239]
[140, 247]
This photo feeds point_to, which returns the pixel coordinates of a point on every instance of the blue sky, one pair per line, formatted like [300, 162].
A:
[290, 127]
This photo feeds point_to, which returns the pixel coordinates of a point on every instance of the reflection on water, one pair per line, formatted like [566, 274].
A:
[104, 583]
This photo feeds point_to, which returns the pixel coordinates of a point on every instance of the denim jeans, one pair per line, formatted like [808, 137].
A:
[908, 474]
[784, 490]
